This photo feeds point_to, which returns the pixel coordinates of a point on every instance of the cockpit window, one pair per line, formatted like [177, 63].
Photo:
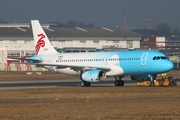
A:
[160, 57]
[154, 58]
[163, 58]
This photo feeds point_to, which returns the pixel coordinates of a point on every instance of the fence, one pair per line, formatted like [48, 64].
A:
[20, 67]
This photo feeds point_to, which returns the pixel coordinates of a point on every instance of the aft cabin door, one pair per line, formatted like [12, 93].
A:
[144, 58]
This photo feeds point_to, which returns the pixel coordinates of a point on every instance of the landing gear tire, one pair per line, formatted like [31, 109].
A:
[82, 83]
[88, 84]
[116, 83]
[152, 84]
[119, 83]
[85, 84]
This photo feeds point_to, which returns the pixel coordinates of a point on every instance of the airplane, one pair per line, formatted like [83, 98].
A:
[141, 65]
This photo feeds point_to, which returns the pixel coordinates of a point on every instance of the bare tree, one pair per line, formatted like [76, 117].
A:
[163, 29]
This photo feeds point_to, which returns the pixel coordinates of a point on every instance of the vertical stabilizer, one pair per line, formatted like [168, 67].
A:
[42, 43]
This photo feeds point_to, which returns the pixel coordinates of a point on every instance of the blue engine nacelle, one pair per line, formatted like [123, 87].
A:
[93, 75]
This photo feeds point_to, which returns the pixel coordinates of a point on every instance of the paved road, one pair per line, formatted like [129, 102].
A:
[58, 83]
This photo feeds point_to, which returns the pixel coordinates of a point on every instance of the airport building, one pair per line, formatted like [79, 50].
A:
[162, 43]
[16, 40]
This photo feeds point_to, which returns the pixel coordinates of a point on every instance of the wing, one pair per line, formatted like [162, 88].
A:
[75, 67]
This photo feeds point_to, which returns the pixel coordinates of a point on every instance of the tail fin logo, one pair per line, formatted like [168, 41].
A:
[40, 43]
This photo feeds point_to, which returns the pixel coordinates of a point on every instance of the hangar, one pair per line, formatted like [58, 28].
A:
[16, 40]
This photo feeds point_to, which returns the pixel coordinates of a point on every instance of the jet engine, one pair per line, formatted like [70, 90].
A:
[93, 75]
[140, 78]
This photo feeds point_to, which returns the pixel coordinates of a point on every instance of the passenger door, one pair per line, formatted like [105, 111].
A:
[144, 58]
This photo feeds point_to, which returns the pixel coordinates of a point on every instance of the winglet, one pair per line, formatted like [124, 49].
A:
[42, 43]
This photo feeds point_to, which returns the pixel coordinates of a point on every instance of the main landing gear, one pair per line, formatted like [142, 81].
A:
[85, 84]
[118, 82]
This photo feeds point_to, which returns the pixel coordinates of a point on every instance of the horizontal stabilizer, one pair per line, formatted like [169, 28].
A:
[29, 60]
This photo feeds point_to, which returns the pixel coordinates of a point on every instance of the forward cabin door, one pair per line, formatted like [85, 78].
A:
[144, 58]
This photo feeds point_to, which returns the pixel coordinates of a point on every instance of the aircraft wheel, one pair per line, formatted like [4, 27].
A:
[88, 84]
[83, 83]
[121, 83]
[116, 83]
[152, 84]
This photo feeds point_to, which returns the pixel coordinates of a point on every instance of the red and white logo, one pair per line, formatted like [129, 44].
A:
[40, 42]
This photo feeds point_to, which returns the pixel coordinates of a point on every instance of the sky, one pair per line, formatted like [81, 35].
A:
[100, 12]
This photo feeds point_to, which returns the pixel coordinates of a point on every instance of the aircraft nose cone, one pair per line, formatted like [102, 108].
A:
[169, 66]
